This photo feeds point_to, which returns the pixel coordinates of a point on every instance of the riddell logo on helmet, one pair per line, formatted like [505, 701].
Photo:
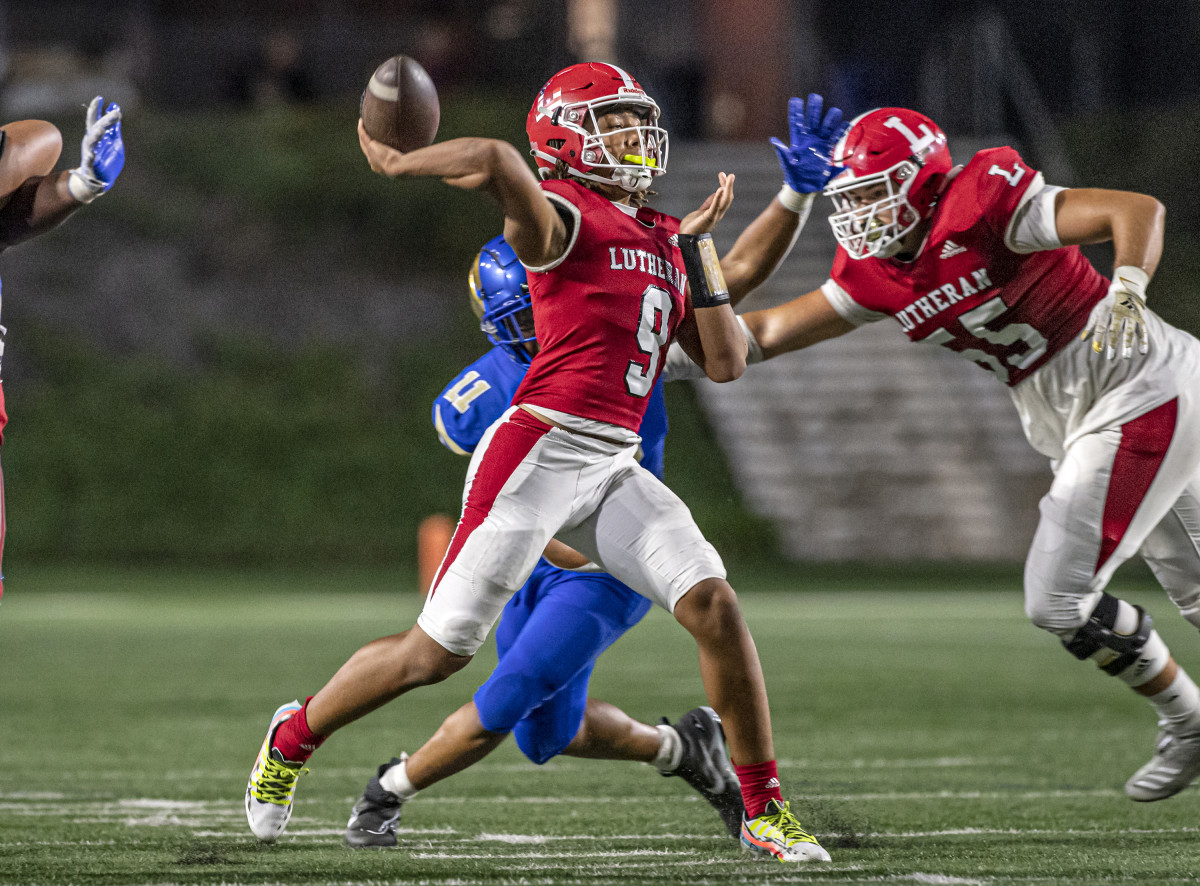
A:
[628, 92]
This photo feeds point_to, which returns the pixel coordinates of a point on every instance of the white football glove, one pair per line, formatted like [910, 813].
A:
[1121, 316]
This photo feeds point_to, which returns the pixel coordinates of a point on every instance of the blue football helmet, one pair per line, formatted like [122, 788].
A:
[500, 299]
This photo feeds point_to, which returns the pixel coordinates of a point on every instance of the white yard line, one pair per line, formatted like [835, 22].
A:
[560, 764]
[454, 837]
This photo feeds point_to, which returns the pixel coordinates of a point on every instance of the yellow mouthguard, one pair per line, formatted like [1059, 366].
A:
[644, 161]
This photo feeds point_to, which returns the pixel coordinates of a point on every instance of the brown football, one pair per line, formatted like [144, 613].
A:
[400, 105]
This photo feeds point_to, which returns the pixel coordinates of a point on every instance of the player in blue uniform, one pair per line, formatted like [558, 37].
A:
[557, 624]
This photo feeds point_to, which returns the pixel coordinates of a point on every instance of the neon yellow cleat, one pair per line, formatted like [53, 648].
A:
[777, 833]
[272, 784]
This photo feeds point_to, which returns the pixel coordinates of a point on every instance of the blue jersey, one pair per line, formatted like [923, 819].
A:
[481, 392]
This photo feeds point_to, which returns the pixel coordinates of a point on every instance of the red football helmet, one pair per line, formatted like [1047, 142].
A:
[562, 125]
[906, 153]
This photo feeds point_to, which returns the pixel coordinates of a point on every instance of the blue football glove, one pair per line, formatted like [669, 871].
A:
[103, 153]
[807, 162]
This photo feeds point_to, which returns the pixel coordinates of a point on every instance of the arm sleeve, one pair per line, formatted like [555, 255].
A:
[849, 310]
[1032, 227]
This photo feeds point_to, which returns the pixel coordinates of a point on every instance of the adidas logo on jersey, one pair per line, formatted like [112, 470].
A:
[950, 248]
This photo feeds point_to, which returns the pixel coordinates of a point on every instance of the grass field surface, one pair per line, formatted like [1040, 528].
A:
[927, 736]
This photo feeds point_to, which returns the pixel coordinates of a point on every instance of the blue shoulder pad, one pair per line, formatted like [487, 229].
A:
[475, 399]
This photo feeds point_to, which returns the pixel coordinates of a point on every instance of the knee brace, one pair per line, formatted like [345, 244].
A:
[1135, 657]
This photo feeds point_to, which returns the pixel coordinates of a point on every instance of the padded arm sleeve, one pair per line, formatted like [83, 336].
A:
[1032, 227]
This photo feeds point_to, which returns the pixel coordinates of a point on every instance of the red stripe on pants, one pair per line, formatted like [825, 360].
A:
[1144, 443]
[510, 444]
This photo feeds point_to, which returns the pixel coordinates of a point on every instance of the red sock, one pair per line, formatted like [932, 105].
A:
[294, 739]
[760, 784]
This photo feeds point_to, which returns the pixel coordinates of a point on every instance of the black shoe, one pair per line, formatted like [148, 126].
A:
[374, 818]
[705, 765]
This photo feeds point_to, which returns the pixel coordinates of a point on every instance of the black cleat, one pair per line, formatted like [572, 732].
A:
[374, 818]
[705, 765]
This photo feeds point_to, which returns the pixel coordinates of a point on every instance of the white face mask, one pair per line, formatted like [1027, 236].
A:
[876, 229]
[633, 172]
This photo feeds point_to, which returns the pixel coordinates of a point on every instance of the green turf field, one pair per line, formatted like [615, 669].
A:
[929, 736]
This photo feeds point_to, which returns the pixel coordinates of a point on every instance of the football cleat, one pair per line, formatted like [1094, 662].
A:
[705, 765]
[272, 784]
[778, 834]
[374, 818]
[1174, 766]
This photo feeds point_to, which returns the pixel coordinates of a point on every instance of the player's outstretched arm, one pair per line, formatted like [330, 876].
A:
[807, 166]
[532, 226]
[760, 249]
[797, 324]
[1134, 224]
[32, 199]
[29, 150]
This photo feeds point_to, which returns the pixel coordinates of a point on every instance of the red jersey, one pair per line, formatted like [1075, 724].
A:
[966, 290]
[606, 311]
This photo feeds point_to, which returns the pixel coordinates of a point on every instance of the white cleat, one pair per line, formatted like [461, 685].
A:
[272, 784]
[1174, 766]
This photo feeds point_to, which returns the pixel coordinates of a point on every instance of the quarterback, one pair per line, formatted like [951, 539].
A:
[33, 199]
[984, 259]
[558, 623]
[562, 460]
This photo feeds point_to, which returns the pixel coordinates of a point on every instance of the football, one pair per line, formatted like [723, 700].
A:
[400, 105]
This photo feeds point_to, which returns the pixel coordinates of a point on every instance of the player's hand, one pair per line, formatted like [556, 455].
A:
[377, 153]
[102, 153]
[1121, 317]
[704, 219]
[807, 162]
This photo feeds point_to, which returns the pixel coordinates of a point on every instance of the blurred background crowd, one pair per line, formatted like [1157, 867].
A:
[231, 358]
